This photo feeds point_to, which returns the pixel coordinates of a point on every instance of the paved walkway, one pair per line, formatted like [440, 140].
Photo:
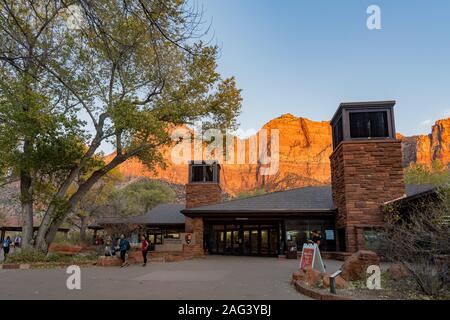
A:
[216, 277]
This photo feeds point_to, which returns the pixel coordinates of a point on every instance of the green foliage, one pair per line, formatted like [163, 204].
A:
[73, 238]
[437, 174]
[128, 70]
[32, 256]
[26, 256]
[54, 139]
[139, 197]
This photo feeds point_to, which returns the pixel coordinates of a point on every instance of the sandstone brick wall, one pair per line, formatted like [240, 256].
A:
[364, 175]
[201, 194]
[195, 226]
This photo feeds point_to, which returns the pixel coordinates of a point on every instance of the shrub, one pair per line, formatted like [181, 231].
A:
[417, 236]
[26, 256]
[32, 256]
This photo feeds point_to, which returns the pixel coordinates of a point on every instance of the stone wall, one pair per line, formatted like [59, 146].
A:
[199, 194]
[195, 226]
[364, 175]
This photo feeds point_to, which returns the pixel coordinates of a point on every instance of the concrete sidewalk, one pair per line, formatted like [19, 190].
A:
[215, 277]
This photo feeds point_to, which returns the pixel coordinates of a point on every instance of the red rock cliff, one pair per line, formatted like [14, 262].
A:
[424, 149]
[305, 147]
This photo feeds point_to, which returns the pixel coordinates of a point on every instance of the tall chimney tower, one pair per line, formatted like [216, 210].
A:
[203, 188]
[366, 170]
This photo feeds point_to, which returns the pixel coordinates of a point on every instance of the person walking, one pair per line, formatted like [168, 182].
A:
[109, 246]
[6, 246]
[124, 246]
[17, 241]
[144, 249]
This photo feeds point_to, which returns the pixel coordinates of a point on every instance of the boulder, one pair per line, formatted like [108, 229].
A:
[398, 271]
[340, 282]
[355, 266]
[312, 277]
[108, 261]
[298, 275]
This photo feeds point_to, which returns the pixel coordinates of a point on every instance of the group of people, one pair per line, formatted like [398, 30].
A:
[8, 243]
[124, 246]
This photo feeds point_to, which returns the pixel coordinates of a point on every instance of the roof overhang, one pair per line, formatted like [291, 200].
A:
[363, 104]
[277, 213]
[405, 199]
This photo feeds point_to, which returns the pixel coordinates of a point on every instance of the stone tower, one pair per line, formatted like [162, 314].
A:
[366, 170]
[202, 189]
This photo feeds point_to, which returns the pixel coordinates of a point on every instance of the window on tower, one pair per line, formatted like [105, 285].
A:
[369, 124]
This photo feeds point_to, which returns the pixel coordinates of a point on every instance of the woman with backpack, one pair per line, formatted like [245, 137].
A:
[6, 246]
[124, 246]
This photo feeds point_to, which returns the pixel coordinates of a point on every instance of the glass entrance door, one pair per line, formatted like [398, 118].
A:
[264, 241]
[244, 239]
[254, 237]
[246, 243]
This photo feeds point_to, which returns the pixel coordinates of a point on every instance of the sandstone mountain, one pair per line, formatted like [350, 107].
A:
[304, 148]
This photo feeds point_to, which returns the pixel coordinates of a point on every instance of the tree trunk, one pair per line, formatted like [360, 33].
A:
[26, 201]
[83, 228]
[52, 220]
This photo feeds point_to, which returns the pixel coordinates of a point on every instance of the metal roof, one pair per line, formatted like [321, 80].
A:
[162, 214]
[307, 199]
[302, 199]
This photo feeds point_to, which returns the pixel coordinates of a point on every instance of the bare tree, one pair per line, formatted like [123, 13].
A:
[417, 236]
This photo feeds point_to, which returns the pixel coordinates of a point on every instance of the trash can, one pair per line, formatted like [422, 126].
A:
[291, 250]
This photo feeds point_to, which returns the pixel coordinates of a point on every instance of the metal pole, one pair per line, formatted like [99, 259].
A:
[332, 285]
[333, 281]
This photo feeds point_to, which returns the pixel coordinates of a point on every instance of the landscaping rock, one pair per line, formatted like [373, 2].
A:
[64, 249]
[108, 261]
[312, 277]
[398, 271]
[298, 275]
[340, 282]
[355, 267]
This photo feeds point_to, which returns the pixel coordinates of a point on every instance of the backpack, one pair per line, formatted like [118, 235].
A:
[128, 245]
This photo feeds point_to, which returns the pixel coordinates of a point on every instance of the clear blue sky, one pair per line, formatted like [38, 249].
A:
[305, 57]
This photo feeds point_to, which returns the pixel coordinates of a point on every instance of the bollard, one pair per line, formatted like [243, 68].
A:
[333, 281]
